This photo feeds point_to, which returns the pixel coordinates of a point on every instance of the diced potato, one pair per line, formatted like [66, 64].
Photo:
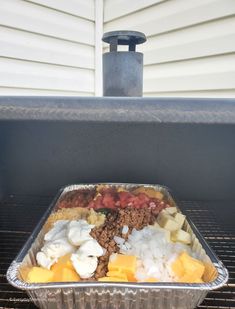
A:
[120, 189]
[167, 233]
[171, 210]
[39, 275]
[180, 219]
[167, 222]
[181, 236]
[164, 212]
[156, 225]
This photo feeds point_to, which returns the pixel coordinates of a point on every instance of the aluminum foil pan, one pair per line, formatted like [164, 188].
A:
[100, 295]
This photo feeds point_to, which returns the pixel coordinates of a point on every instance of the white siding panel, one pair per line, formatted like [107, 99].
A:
[35, 18]
[208, 30]
[47, 47]
[117, 8]
[199, 74]
[75, 7]
[227, 93]
[30, 46]
[224, 80]
[222, 63]
[171, 15]
[220, 45]
[99, 10]
[40, 92]
[26, 74]
[190, 44]
[51, 47]
[217, 37]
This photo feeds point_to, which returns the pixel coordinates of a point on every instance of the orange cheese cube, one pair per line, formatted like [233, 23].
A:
[63, 261]
[131, 277]
[123, 263]
[39, 275]
[64, 271]
[178, 268]
[210, 272]
[110, 279]
[65, 275]
[24, 272]
[190, 279]
[188, 269]
[150, 280]
[192, 266]
[117, 274]
[198, 281]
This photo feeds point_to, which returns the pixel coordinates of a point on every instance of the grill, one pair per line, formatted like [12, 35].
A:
[187, 145]
[216, 226]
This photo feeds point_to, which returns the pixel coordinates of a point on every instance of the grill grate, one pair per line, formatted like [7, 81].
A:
[19, 215]
[215, 220]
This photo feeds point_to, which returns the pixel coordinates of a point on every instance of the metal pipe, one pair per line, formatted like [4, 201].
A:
[123, 70]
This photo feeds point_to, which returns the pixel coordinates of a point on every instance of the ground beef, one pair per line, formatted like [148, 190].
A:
[77, 198]
[133, 218]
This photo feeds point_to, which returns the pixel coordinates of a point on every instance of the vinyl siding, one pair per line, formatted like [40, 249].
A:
[47, 47]
[52, 47]
[190, 49]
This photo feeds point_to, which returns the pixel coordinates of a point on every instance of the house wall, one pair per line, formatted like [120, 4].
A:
[47, 47]
[52, 47]
[190, 48]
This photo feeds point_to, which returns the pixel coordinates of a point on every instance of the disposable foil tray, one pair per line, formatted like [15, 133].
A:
[123, 295]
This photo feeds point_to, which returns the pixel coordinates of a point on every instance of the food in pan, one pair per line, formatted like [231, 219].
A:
[110, 234]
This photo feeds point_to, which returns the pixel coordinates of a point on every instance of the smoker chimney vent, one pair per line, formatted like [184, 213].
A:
[123, 70]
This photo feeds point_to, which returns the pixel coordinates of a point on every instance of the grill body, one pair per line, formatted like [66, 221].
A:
[187, 145]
